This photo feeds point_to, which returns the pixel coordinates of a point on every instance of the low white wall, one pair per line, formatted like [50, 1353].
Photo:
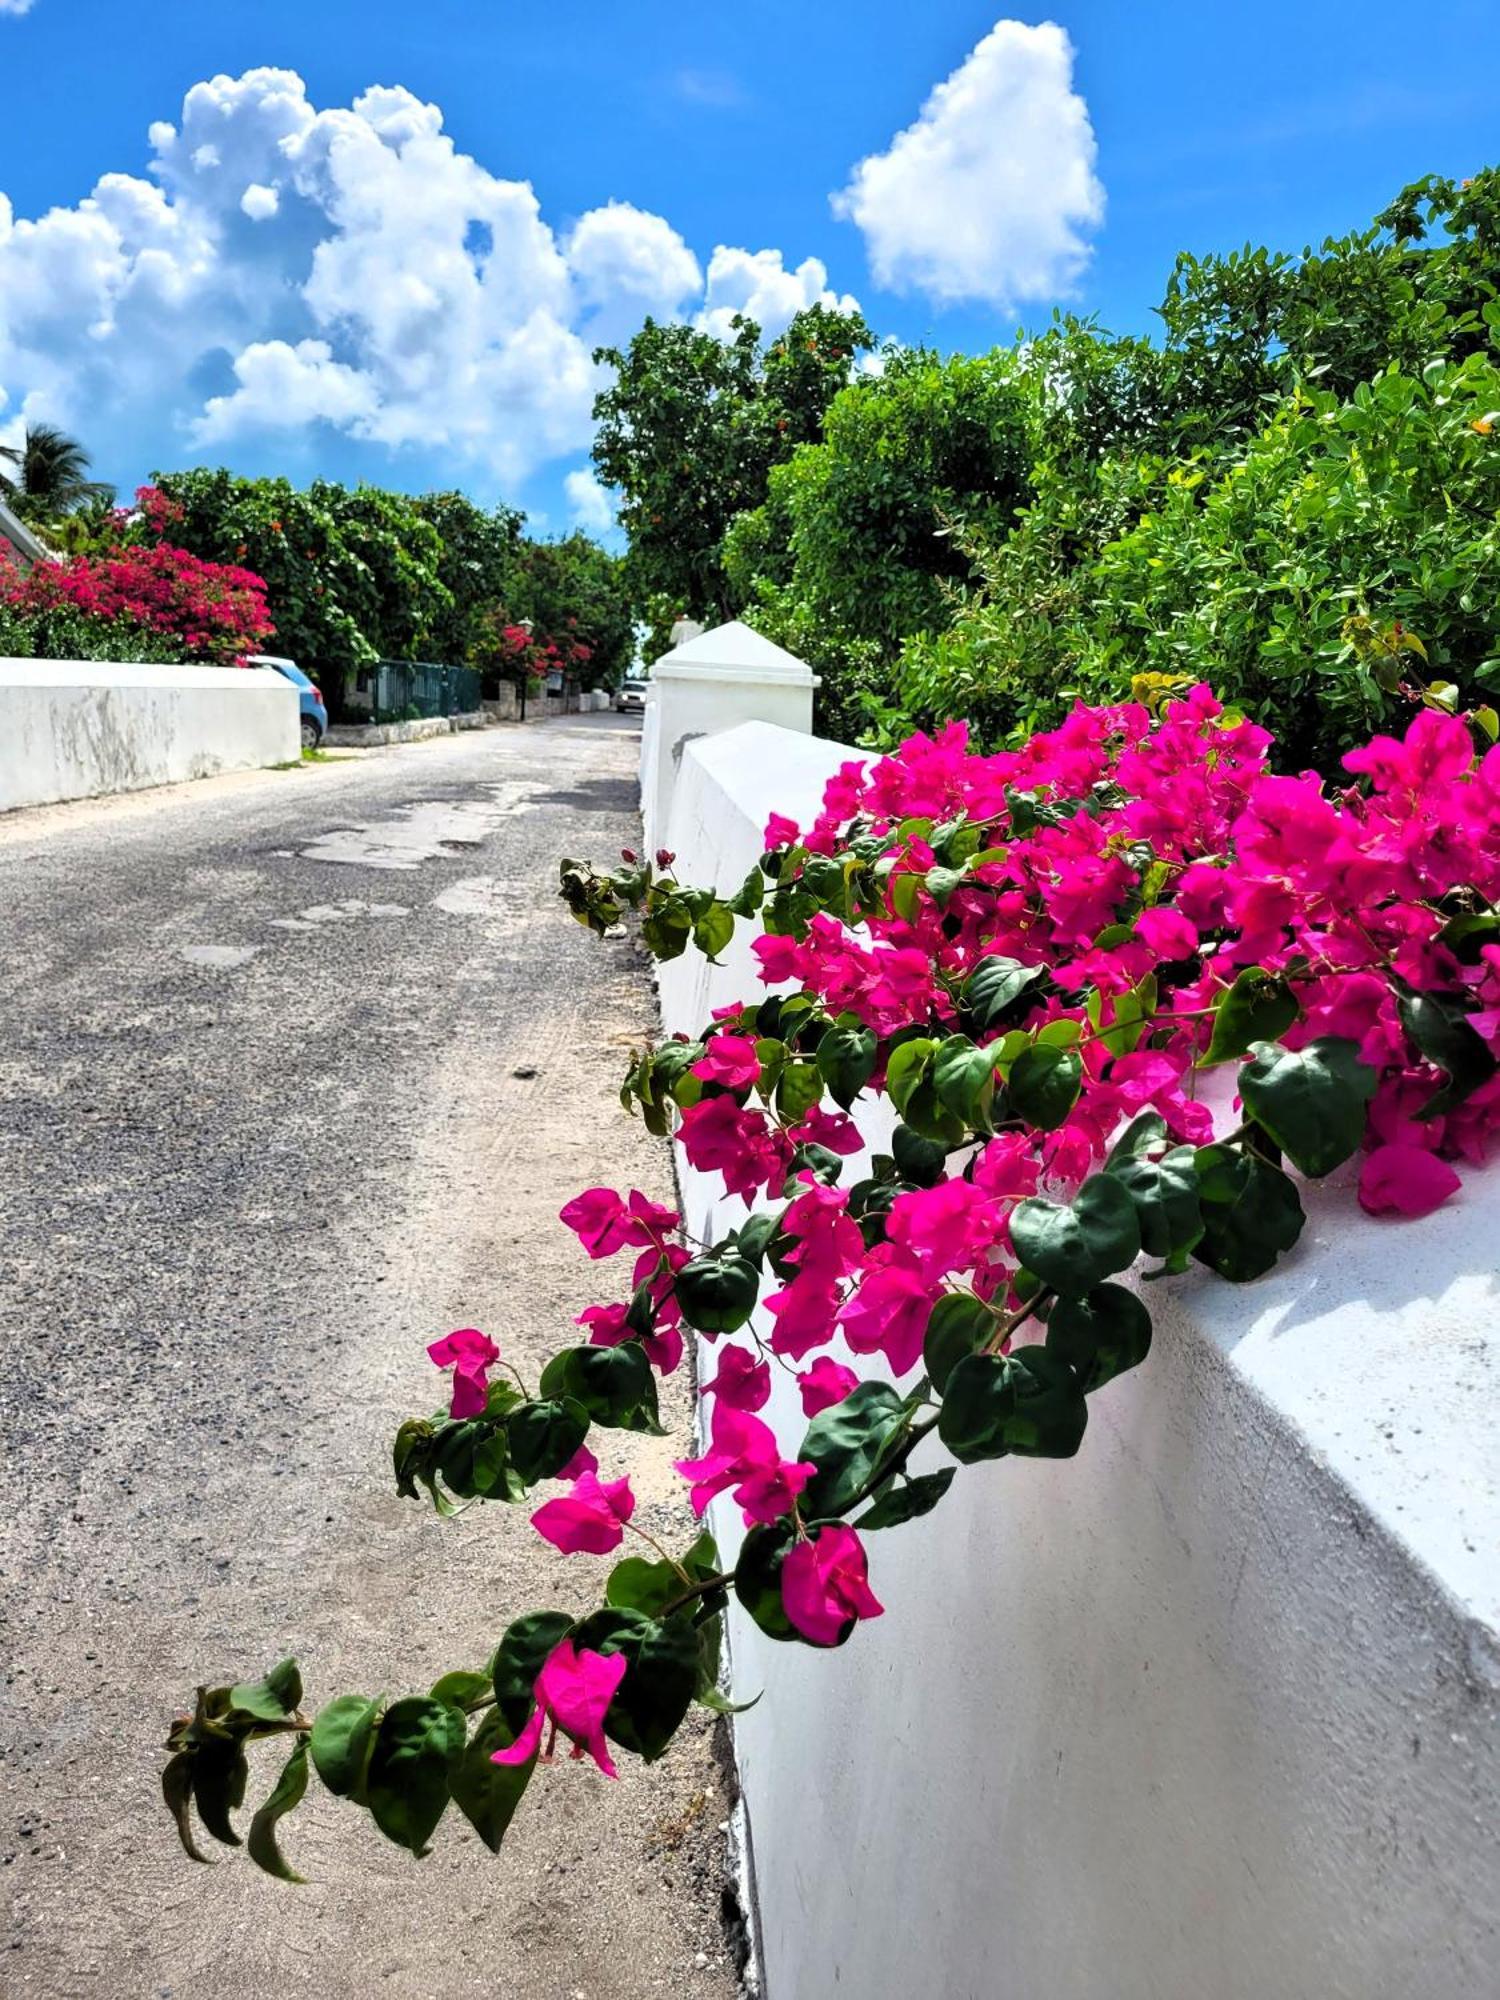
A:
[75, 729]
[1207, 1713]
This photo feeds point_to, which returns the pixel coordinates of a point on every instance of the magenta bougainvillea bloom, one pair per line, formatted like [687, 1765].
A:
[216, 612]
[743, 1454]
[605, 1223]
[730, 1060]
[827, 1382]
[582, 1461]
[588, 1521]
[1405, 1180]
[834, 1129]
[609, 1326]
[720, 1136]
[572, 1694]
[825, 1585]
[888, 1314]
[742, 1383]
[468, 1352]
[944, 1228]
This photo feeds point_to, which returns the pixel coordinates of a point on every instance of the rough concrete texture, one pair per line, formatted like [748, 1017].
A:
[297, 1070]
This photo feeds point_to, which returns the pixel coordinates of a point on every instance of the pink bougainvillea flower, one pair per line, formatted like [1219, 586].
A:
[828, 1245]
[827, 1382]
[779, 957]
[572, 1694]
[743, 1454]
[945, 1228]
[720, 1136]
[825, 1585]
[469, 1353]
[742, 1383]
[649, 1220]
[805, 1312]
[730, 1060]
[590, 1520]
[1405, 1180]
[834, 1129]
[1168, 933]
[604, 1223]
[609, 1326]
[582, 1461]
[888, 1313]
[598, 1218]
[1007, 1168]
[780, 832]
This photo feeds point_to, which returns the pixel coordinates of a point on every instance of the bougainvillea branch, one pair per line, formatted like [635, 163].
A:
[1039, 959]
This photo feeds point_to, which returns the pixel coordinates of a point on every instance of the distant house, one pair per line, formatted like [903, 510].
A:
[18, 543]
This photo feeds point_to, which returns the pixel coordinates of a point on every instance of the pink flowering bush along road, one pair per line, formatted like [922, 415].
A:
[1038, 957]
[213, 612]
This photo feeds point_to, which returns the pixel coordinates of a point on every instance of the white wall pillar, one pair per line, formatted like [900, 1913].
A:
[721, 678]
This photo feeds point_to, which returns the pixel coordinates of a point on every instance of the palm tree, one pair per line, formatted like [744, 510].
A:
[51, 473]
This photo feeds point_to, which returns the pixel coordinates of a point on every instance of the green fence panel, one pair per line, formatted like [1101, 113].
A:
[405, 690]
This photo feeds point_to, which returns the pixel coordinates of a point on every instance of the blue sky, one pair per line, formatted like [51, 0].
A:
[304, 287]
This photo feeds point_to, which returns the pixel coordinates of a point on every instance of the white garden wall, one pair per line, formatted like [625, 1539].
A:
[1207, 1713]
[75, 729]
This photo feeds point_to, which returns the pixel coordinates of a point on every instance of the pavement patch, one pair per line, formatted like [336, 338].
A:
[218, 957]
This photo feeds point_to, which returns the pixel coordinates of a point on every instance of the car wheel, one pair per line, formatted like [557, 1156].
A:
[312, 736]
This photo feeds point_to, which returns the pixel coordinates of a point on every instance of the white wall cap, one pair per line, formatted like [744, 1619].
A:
[762, 768]
[117, 673]
[733, 650]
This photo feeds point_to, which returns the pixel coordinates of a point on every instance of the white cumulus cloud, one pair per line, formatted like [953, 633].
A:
[627, 263]
[758, 285]
[589, 504]
[15, 6]
[281, 266]
[991, 194]
[259, 203]
[279, 387]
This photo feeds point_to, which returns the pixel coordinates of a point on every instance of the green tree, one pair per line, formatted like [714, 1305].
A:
[352, 575]
[573, 589]
[690, 428]
[49, 474]
[477, 565]
[1292, 497]
[857, 544]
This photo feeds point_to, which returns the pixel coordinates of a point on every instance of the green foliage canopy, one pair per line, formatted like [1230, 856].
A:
[690, 428]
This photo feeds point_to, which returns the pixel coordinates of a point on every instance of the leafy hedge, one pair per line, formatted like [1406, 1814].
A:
[1294, 494]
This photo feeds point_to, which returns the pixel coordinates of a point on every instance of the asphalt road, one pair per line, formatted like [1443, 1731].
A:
[295, 1071]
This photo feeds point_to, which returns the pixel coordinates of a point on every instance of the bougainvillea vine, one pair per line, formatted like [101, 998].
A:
[1122, 989]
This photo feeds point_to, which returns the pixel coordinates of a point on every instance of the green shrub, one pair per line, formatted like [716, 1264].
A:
[70, 635]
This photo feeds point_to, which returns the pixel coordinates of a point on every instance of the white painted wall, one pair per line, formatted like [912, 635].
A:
[75, 729]
[1210, 1712]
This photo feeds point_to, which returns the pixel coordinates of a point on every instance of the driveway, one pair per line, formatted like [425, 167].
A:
[296, 1070]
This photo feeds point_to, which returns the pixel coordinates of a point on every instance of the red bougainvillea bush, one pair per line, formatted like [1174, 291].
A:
[1037, 957]
[209, 611]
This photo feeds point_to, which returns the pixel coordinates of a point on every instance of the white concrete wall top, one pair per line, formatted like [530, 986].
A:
[74, 729]
[734, 649]
[131, 675]
[1210, 1712]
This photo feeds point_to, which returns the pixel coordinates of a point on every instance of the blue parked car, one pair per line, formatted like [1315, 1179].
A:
[314, 714]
